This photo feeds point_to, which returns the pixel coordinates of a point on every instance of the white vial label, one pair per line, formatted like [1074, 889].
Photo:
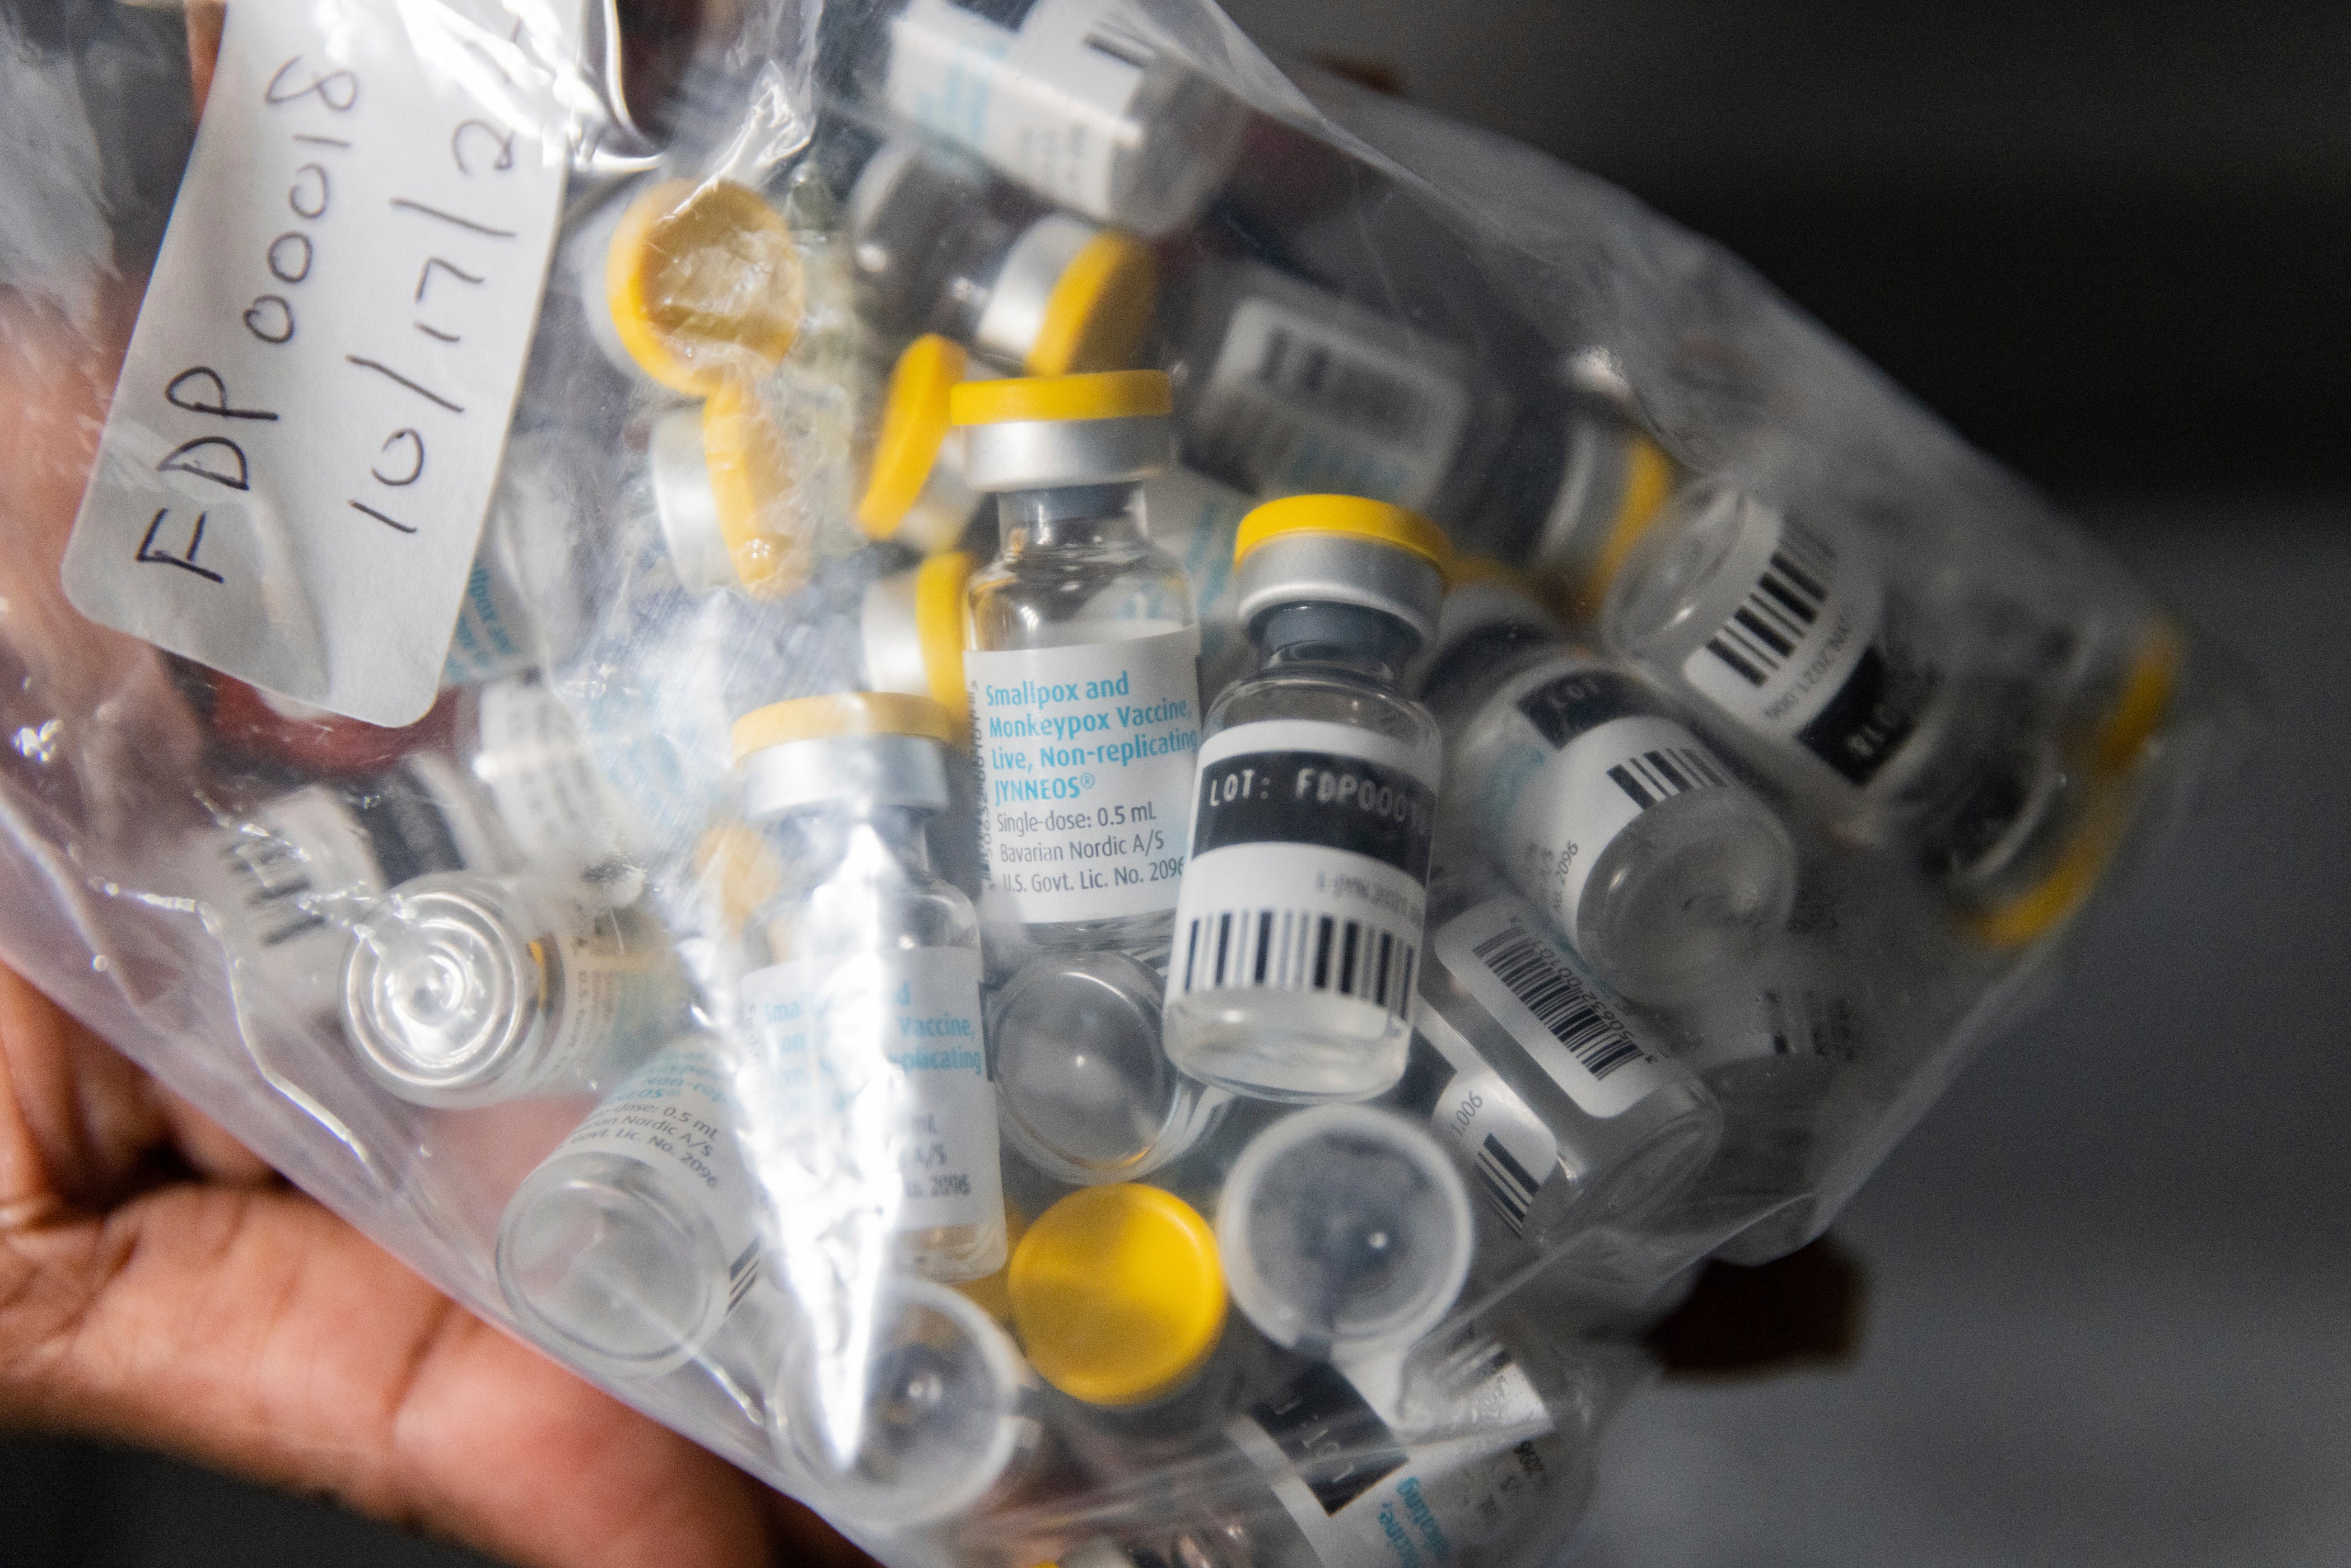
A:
[1363, 1498]
[1492, 1133]
[1085, 766]
[880, 1060]
[493, 636]
[1310, 864]
[1195, 520]
[676, 1117]
[553, 801]
[1562, 762]
[1534, 990]
[618, 984]
[310, 417]
[1301, 406]
[1804, 656]
[1044, 89]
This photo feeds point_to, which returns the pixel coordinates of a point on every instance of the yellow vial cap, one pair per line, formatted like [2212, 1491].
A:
[1354, 516]
[1118, 1293]
[938, 623]
[1648, 484]
[842, 714]
[1100, 309]
[704, 282]
[914, 427]
[1107, 394]
[750, 480]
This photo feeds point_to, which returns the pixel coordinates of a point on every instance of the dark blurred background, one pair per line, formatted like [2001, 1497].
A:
[2108, 1279]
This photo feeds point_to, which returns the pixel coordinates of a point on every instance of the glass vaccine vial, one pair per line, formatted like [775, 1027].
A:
[1783, 632]
[927, 1415]
[1080, 660]
[289, 883]
[1086, 1093]
[945, 249]
[726, 489]
[1347, 1231]
[1298, 937]
[632, 1245]
[862, 995]
[1660, 867]
[918, 495]
[1562, 1108]
[1072, 97]
[555, 805]
[1294, 390]
[689, 286]
[464, 990]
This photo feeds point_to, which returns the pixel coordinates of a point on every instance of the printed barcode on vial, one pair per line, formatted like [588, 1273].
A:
[1559, 1001]
[1510, 1184]
[1767, 626]
[276, 870]
[1297, 950]
[1307, 370]
[1669, 770]
[741, 1275]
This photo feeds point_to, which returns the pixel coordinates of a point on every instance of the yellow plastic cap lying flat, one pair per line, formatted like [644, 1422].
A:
[842, 713]
[1099, 311]
[914, 428]
[1351, 515]
[1118, 1293]
[705, 285]
[1109, 394]
[751, 487]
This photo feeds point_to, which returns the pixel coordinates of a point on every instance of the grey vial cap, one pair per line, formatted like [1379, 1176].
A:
[1339, 569]
[1054, 455]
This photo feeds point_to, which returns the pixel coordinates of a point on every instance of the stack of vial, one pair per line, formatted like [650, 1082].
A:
[1144, 888]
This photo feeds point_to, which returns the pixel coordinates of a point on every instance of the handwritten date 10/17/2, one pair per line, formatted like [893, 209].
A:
[456, 251]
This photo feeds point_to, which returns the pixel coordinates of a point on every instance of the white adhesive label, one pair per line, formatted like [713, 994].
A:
[880, 1062]
[1492, 1133]
[1805, 657]
[556, 805]
[1499, 953]
[1300, 405]
[1086, 757]
[1365, 1498]
[309, 420]
[620, 987]
[1310, 864]
[676, 1116]
[1562, 759]
[1044, 89]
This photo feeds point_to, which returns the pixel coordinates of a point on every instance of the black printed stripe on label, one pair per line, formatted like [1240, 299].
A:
[277, 875]
[1654, 776]
[1560, 1001]
[1316, 797]
[1005, 14]
[1780, 610]
[1299, 950]
[404, 827]
[1507, 1184]
[1339, 1446]
[1311, 371]
[1426, 1076]
[1871, 716]
[1576, 705]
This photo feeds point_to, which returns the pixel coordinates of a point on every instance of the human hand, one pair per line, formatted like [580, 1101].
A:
[160, 1285]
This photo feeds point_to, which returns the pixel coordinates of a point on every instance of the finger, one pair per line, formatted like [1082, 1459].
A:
[256, 1332]
[77, 1119]
[207, 1146]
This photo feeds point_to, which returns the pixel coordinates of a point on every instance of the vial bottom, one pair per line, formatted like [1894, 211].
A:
[1146, 939]
[1301, 1047]
[1685, 897]
[1652, 1175]
[602, 1262]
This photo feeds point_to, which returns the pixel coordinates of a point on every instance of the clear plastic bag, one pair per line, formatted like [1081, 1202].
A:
[745, 980]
